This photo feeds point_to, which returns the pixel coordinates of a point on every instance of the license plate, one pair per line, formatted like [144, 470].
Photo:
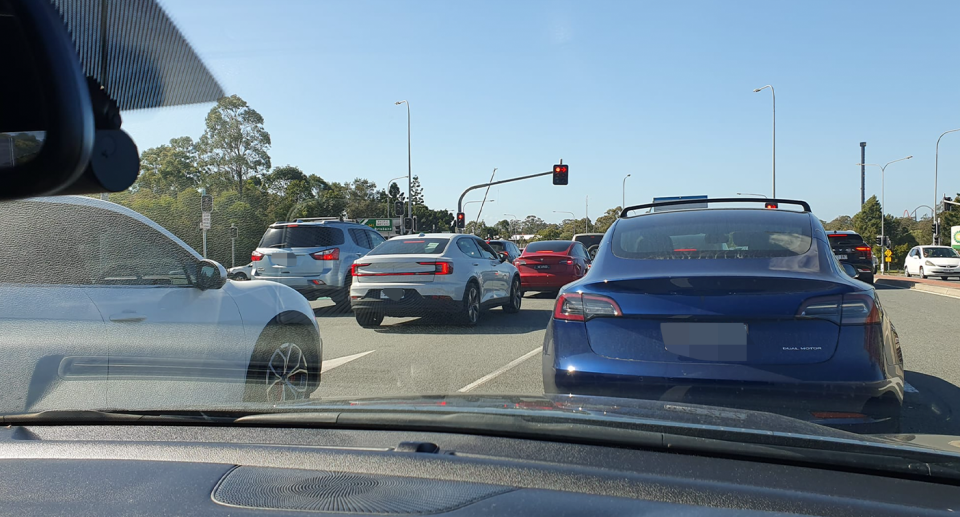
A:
[706, 341]
[542, 267]
[841, 257]
[391, 294]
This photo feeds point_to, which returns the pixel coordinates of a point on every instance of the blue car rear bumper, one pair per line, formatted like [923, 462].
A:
[846, 381]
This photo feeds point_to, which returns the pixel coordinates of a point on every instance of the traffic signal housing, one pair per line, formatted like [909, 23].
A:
[206, 203]
[560, 174]
[407, 223]
[461, 219]
[398, 208]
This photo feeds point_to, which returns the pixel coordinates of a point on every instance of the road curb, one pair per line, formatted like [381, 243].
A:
[916, 286]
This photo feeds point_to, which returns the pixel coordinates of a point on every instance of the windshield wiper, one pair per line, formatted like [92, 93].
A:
[278, 245]
[75, 417]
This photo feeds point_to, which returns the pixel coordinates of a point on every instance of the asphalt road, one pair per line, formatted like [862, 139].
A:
[415, 356]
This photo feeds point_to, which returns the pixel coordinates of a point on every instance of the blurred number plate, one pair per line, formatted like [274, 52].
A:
[391, 294]
[283, 259]
[841, 257]
[706, 341]
[542, 267]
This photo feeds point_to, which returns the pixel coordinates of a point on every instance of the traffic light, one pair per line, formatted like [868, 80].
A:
[560, 175]
[234, 232]
[407, 223]
[879, 240]
[398, 208]
[206, 203]
[461, 219]
[946, 205]
[771, 205]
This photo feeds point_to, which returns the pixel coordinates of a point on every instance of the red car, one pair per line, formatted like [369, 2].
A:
[546, 266]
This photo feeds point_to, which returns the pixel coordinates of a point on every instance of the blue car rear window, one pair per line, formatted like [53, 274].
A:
[713, 234]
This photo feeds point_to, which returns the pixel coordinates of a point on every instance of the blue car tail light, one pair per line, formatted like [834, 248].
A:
[584, 307]
[849, 309]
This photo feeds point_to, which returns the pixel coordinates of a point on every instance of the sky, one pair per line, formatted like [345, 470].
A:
[662, 91]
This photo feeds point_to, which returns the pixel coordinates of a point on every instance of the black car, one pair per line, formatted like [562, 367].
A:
[508, 247]
[850, 248]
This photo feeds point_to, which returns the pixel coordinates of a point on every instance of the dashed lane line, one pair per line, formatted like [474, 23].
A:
[340, 361]
[501, 370]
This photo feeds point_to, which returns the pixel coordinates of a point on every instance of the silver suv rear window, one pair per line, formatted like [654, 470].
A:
[295, 236]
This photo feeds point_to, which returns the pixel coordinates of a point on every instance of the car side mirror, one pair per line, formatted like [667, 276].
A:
[504, 256]
[210, 275]
[850, 271]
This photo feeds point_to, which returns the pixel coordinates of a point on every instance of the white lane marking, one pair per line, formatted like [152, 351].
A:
[907, 387]
[500, 370]
[340, 361]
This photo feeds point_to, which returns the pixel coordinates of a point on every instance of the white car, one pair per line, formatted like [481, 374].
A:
[101, 307]
[924, 261]
[243, 272]
[425, 274]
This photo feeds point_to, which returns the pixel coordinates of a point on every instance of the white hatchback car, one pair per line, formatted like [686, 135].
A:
[101, 307]
[924, 261]
[425, 274]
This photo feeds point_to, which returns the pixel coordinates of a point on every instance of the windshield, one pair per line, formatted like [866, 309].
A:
[723, 235]
[317, 183]
[547, 247]
[940, 253]
[418, 246]
[291, 236]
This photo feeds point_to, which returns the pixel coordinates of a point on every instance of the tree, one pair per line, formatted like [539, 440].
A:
[842, 222]
[169, 168]
[603, 223]
[532, 224]
[394, 191]
[866, 222]
[234, 147]
[416, 191]
[549, 233]
[363, 199]
[281, 177]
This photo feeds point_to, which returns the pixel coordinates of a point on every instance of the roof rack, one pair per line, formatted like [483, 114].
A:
[311, 220]
[766, 202]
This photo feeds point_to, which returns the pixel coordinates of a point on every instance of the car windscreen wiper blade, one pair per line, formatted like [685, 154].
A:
[74, 417]
[278, 245]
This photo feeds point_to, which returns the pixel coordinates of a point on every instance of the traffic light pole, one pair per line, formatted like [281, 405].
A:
[465, 192]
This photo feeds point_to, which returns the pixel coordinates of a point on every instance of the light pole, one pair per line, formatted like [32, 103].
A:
[750, 194]
[388, 194]
[774, 134]
[409, 164]
[883, 208]
[476, 201]
[623, 195]
[572, 216]
[914, 213]
[936, 196]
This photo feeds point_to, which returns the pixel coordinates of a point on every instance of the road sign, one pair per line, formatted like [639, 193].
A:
[205, 220]
[888, 258]
[380, 225]
[888, 253]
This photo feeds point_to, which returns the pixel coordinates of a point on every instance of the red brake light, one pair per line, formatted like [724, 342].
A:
[440, 268]
[256, 256]
[565, 261]
[859, 309]
[686, 249]
[354, 267]
[584, 307]
[330, 254]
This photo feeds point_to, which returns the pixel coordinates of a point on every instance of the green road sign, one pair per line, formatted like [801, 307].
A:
[380, 224]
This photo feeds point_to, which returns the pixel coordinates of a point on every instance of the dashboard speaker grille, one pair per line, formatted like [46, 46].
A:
[321, 491]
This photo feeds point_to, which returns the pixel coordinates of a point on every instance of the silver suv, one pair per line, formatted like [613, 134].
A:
[313, 256]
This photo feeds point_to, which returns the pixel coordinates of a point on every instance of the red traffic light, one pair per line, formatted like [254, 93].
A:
[770, 205]
[560, 174]
[461, 219]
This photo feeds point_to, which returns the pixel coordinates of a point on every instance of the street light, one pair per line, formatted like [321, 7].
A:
[409, 163]
[774, 134]
[464, 207]
[572, 215]
[623, 195]
[388, 194]
[750, 194]
[515, 218]
[883, 207]
[936, 198]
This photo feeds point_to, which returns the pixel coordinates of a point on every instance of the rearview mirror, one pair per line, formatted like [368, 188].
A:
[47, 132]
[850, 271]
[210, 275]
[504, 256]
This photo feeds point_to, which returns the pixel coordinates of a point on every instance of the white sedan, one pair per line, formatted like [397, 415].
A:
[426, 274]
[100, 307]
[924, 261]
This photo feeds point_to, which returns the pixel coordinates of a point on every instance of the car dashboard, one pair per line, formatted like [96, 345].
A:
[198, 470]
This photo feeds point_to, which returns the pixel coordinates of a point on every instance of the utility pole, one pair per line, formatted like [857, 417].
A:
[863, 173]
[206, 206]
[234, 233]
